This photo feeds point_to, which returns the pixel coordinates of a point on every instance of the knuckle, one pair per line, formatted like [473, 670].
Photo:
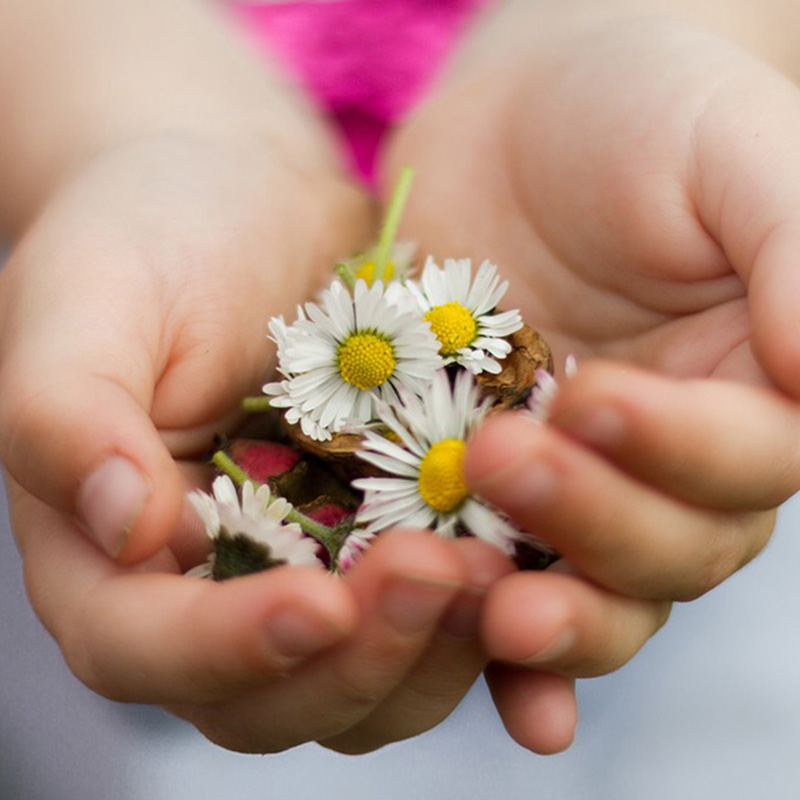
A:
[734, 540]
[710, 570]
[356, 744]
[661, 612]
[758, 528]
[359, 691]
[628, 630]
[230, 731]
[27, 415]
[84, 664]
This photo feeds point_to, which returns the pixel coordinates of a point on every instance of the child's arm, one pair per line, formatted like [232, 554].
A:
[637, 179]
[168, 196]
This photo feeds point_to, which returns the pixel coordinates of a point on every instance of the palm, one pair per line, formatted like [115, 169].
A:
[598, 216]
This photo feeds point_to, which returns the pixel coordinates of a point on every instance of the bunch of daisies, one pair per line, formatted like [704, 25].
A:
[390, 360]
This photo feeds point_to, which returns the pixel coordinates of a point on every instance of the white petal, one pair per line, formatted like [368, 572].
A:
[388, 464]
[396, 485]
[488, 525]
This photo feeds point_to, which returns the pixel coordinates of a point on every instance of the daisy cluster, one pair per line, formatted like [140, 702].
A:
[392, 359]
[357, 348]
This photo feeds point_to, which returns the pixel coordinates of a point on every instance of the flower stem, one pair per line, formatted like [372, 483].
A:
[392, 222]
[346, 275]
[253, 405]
[322, 533]
[224, 463]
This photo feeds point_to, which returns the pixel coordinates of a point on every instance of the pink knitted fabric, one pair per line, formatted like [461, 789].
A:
[366, 62]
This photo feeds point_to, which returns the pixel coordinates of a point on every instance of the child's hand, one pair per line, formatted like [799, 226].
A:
[134, 316]
[174, 198]
[638, 183]
[134, 319]
[266, 662]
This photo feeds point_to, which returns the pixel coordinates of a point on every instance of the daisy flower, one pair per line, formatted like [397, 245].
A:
[343, 354]
[460, 313]
[427, 487]
[362, 267]
[252, 529]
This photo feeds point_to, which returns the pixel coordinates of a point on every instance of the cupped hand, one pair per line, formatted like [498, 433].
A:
[134, 317]
[265, 662]
[637, 182]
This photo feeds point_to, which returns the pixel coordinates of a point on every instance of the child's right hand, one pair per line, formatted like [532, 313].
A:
[134, 316]
[183, 200]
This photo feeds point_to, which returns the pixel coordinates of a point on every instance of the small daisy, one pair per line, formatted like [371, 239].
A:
[342, 355]
[399, 265]
[253, 527]
[460, 313]
[427, 487]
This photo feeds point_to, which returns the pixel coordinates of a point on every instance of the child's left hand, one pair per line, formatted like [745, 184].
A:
[644, 205]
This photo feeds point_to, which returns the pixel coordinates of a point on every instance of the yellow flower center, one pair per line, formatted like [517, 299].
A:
[366, 360]
[441, 479]
[367, 272]
[453, 325]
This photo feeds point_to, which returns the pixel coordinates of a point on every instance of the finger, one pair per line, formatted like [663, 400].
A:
[560, 622]
[538, 709]
[403, 587]
[773, 291]
[152, 637]
[75, 388]
[448, 668]
[747, 193]
[625, 535]
[713, 443]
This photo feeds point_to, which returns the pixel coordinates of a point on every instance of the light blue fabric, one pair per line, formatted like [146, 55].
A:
[709, 711]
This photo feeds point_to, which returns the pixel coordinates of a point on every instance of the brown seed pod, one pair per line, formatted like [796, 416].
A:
[339, 452]
[512, 386]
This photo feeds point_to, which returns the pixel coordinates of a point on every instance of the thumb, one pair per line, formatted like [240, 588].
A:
[75, 429]
[749, 198]
[774, 298]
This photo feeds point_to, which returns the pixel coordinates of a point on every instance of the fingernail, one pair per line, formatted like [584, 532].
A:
[601, 427]
[296, 634]
[411, 605]
[557, 647]
[110, 501]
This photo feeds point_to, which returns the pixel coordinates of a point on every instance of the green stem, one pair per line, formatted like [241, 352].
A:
[224, 463]
[392, 222]
[346, 275]
[253, 405]
[322, 533]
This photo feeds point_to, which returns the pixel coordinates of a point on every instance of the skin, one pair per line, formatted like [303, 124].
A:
[199, 175]
[635, 178]
[153, 235]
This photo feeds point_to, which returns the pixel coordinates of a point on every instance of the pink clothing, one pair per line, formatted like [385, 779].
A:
[366, 62]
